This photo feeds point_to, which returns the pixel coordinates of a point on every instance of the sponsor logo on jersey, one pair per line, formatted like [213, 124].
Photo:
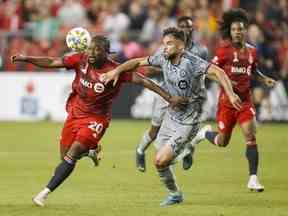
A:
[241, 70]
[183, 84]
[98, 87]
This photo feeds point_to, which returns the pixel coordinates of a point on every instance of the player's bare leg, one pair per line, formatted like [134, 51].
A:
[63, 170]
[252, 155]
[148, 137]
[163, 159]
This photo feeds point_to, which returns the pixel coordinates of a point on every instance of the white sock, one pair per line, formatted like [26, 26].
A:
[144, 143]
[46, 190]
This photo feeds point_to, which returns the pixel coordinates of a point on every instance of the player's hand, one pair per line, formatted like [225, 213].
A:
[178, 102]
[16, 58]
[109, 76]
[269, 82]
[235, 101]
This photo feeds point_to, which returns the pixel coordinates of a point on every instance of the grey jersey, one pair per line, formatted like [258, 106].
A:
[185, 79]
[195, 48]
[198, 50]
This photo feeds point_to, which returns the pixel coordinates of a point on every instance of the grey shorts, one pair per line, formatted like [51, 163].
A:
[175, 134]
[159, 109]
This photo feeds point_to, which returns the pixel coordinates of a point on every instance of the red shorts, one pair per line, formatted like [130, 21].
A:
[227, 117]
[88, 131]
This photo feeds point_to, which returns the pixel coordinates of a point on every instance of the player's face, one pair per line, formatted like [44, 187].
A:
[172, 46]
[187, 26]
[238, 31]
[96, 53]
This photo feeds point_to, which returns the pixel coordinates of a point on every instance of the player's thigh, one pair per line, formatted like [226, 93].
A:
[90, 131]
[159, 109]
[226, 119]
[247, 122]
[175, 135]
[68, 135]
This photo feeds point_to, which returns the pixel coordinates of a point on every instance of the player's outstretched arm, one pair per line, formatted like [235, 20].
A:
[128, 66]
[216, 73]
[45, 62]
[269, 82]
[175, 101]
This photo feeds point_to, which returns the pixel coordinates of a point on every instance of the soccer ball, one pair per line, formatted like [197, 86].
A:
[78, 39]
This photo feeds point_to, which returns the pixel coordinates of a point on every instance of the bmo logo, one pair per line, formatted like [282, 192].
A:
[99, 87]
[241, 70]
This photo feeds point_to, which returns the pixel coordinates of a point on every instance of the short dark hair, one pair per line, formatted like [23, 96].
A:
[233, 15]
[184, 19]
[102, 41]
[175, 32]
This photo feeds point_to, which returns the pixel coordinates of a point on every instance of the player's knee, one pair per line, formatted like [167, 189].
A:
[76, 150]
[250, 139]
[160, 163]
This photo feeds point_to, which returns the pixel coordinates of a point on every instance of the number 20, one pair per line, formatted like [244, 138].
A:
[96, 127]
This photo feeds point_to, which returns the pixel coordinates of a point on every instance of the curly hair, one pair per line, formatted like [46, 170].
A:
[175, 32]
[233, 15]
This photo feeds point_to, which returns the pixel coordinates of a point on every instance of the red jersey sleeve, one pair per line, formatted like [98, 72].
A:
[219, 58]
[70, 60]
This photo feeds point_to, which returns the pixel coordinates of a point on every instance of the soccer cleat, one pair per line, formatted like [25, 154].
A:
[172, 199]
[188, 159]
[254, 185]
[92, 154]
[140, 162]
[40, 198]
[201, 135]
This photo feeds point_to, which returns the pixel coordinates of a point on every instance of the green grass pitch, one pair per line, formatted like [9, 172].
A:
[215, 186]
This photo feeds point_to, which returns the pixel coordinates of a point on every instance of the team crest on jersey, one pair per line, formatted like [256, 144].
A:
[250, 58]
[235, 59]
[183, 84]
[84, 68]
[182, 73]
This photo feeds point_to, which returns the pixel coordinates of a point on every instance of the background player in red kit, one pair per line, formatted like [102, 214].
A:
[88, 106]
[239, 60]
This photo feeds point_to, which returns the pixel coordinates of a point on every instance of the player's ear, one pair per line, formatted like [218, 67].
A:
[181, 46]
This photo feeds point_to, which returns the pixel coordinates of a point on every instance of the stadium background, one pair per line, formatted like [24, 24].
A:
[35, 27]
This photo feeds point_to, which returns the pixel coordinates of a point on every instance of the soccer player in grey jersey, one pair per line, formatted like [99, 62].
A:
[184, 75]
[160, 106]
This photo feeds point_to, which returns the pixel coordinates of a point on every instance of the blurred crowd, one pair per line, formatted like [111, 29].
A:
[38, 28]
[35, 27]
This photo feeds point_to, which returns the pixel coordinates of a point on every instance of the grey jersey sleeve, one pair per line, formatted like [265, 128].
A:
[157, 59]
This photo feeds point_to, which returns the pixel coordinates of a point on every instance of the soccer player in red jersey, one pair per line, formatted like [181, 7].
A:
[89, 104]
[239, 60]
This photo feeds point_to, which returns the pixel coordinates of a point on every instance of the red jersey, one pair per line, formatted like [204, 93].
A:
[89, 95]
[238, 64]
